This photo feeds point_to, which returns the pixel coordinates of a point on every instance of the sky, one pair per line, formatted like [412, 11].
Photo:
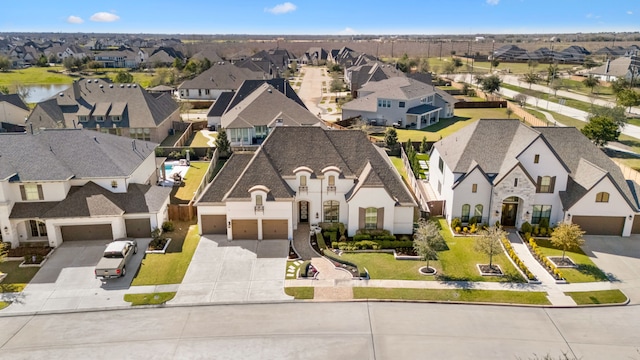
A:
[321, 17]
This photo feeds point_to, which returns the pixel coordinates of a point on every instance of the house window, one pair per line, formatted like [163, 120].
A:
[478, 212]
[439, 188]
[331, 211]
[441, 164]
[474, 188]
[261, 131]
[515, 182]
[536, 158]
[540, 212]
[430, 99]
[466, 208]
[140, 134]
[100, 118]
[116, 118]
[602, 197]
[384, 103]
[199, 92]
[207, 91]
[31, 192]
[303, 180]
[371, 218]
[37, 228]
[546, 184]
[423, 100]
[82, 118]
[401, 104]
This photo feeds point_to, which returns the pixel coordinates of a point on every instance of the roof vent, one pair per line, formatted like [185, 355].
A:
[89, 81]
[129, 85]
[111, 86]
[135, 85]
[121, 85]
[101, 86]
[61, 94]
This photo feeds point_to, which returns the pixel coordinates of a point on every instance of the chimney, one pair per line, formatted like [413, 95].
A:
[76, 90]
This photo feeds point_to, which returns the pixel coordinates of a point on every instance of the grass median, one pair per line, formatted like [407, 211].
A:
[149, 299]
[464, 295]
[300, 293]
[598, 297]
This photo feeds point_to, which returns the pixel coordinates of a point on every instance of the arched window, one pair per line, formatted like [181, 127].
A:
[331, 211]
[478, 213]
[371, 218]
[37, 229]
[466, 208]
[602, 197]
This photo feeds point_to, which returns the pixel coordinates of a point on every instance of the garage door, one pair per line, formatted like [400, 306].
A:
[600, 225]
[214, 224]
[275, 229]
[245, 229]
[138, 228]
[635, 229]
[86, 232]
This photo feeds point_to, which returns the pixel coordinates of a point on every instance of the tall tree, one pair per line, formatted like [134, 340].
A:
[124, 77]
[567, 236]
[552, 73]
[491, 84]
[601, 130]
[619, 84]
[426, 240]
[589, 63]
[222, 143]
[615, 113]
[391, 137]
[628, 98]
[489, 242]
[531, 78]
[424, 145]
[591, 82]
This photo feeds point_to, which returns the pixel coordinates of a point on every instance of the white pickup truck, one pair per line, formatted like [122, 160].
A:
[113, 263]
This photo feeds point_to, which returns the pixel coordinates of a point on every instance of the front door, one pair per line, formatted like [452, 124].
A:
[509, 212]
[303, 211]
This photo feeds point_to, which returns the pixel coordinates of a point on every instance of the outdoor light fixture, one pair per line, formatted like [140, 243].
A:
[317, 215]
[229, 224]
[527, 213]
[497, 212]
[630, 217]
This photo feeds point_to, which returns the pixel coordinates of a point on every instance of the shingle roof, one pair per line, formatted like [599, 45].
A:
[397, 88]
[618, 67]
[15, 100]
[222, 76]
[220, 105]
[66, 153]
[224, 180]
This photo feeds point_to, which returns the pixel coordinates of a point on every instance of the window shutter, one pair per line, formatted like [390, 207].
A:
[361, 214]
[552, 186]
[380, 224]
[538, 184]
[23, 193]
[40, 193]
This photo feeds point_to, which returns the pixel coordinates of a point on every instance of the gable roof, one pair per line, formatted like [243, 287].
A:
[53, 155]
[15, 100]
[618, 67]
[222, 76]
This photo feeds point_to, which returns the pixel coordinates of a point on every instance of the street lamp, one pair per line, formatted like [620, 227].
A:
[493, 44]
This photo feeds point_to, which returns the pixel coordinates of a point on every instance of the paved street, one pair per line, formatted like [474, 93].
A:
[326, 330]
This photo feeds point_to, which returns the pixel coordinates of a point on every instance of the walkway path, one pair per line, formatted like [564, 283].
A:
[326, 270]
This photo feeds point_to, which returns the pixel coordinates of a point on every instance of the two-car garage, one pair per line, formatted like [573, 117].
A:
[600, 225]
[86, 232]
[245, 229]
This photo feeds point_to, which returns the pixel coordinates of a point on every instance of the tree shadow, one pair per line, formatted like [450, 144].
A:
[457, 282]
[593, 271]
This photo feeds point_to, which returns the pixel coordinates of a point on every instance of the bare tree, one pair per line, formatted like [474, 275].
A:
[489, 242]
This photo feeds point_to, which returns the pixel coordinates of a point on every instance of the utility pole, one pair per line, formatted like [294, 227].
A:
[440, 49]
[493, 44]
[428, 47]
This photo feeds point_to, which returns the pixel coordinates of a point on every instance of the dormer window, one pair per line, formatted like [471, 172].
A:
[83, 118]
[331, 183]
[116, 118]
[259, 206]
[303, 184]
[100, 118]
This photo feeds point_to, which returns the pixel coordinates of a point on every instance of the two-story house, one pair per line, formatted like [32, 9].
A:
[119, 109]
[71, 184]
[13, 110]
[220, 77]
[503, 170]
[401, 101]
[306, 174]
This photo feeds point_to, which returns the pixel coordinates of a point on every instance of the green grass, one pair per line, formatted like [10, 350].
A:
[17, 277]
[586, 271]
[467, 295]
[598, 297]
[446, 127]
[295, 268]
[576, 104]
[385, 266]
[200, 140]
[149, 299]
[300, 293]
[35, 76]
[481, 67]
[397, 163]
[192, 180]
[160, 269]
[4, 304]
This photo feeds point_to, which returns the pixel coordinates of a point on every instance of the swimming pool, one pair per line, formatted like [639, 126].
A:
[168, 167]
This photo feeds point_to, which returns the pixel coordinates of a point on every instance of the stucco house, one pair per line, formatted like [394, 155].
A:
[220, 77]
[13, 110]
[402, 101]
[626, 67]
[119, 109]
[306, 175]
[503, 170]
[71, 184]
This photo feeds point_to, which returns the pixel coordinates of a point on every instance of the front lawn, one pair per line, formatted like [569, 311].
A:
[35, 76]
[17, 277]
[169, 268]
[467, 295]
[598, 297]
[385, 266]
[4, 304]
[300, 293]
[191, 181]
[586, 271]
[149, 299]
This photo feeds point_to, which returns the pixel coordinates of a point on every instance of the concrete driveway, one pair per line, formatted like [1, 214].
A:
[619, 257]
[235, 271]
[67, 281]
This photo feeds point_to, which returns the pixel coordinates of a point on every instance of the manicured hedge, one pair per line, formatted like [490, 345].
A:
[371, 244]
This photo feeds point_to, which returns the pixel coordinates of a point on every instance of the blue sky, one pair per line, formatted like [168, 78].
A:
[321, 16]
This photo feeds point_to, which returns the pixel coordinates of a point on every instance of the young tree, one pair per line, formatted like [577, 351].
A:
[456, 63]
[495, 63]
[391, 137]
[449, 68]
[509, 112]
[619, 84]
[423, 145]
[178, 64]
[615, 113]
[628, 98]
[552, 73]
[531, 78]
[42, 61]
[601, 130]
[491, 84]
[489, 242]
[591, 82]
[124, 77]
[5, 63]
[222, 143]
[567, 236]
[427, 240]
[423, 65]
[521, 99]
[53, 58]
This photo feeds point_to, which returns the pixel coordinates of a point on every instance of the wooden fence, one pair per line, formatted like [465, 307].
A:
[418, 191]
[628, 172]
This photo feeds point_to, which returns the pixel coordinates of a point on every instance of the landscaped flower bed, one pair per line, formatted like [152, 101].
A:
[509, 249]
[584, 271]
[544, 261]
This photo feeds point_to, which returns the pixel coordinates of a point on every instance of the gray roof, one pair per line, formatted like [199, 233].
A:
[287, 148]
[15, 100]
[55, 155]
[422, 109]
[84, 97]
[222, 76]
[618, 67]
[92, 200]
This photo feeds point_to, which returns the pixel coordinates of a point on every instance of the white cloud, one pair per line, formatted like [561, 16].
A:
[347, 31]
[74, 20]
[282, 8]
[591, 16]
[493, 2]
[629, 12]
[104, 17]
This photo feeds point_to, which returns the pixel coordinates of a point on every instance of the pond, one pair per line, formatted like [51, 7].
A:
[39, 93]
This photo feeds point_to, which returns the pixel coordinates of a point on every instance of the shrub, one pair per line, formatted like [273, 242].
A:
[331, 236]
[458, 229]
[321, 244]
[526, 227]
[543, 231]
[473, 220]
[536, 230]
[527, 235]
[304, 268]
[360, 237]
[334, 245]
[544, 224]
[456, 223]
[343, 238]
[341, 229]
[405, 238]
[465, 229]
[167, 226]
[473, 229]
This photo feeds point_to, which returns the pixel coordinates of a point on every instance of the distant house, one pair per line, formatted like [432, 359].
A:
[211, 55]
[119, 109]
[314, 56]
[507, 53]
[401, 101]
[67, 185]
[627, 67]
[356, 76]
[220, 77]
[13, 110]
[63, 52]
[164, 56]
[125, 58]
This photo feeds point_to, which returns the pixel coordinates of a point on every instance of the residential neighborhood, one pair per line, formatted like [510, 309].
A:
[243, 192]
